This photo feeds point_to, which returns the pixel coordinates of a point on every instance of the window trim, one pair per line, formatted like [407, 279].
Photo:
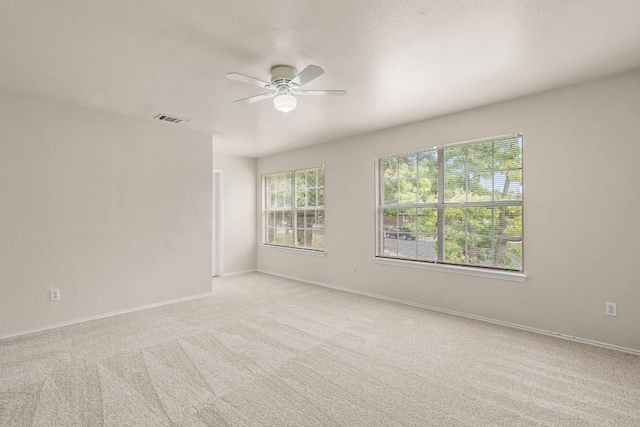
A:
[513, 276]
[302, 251]
[293, 209]
[473, 270]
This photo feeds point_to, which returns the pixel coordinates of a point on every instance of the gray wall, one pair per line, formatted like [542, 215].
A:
[581, 152]
[239, 212]
[115, 213]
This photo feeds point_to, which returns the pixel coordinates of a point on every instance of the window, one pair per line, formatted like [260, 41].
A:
[459, 204]
[293, 209]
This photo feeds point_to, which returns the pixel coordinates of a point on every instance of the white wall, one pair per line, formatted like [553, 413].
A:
[115, 213]
[581, 152]
[239, 216]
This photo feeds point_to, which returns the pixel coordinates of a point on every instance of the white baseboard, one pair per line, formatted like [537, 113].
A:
[102, 316]
[458, 313]
[235, 273]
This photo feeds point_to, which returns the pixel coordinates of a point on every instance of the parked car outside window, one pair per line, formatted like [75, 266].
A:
[399, 232]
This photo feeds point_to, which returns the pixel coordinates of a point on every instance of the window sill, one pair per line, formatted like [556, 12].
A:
[294, 250]
[469, 271]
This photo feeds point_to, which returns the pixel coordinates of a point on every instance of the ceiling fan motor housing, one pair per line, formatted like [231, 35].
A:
[282, 75]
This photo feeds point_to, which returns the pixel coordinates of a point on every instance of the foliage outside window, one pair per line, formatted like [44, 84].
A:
[463, 204]
[293, 214]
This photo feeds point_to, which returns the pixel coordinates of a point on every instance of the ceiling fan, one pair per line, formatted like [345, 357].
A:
[284, 84]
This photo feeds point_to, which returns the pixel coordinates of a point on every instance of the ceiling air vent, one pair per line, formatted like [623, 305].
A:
[170, 119]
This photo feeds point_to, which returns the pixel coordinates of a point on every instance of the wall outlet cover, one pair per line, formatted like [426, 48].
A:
[611, 309]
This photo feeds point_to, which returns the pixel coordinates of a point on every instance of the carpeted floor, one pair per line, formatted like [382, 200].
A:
[266, 351]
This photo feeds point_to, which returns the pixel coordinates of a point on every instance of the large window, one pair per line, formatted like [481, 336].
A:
[293, 209]
[459, 204]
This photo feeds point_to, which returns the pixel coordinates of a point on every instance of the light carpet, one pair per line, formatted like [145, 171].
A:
[267, 351]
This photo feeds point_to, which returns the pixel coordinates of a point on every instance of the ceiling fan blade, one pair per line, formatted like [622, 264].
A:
[308, 74]
[249, 80]
[320, 92]
[255, 98]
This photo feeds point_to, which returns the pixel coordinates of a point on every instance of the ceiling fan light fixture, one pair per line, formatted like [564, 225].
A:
[284, 82]
[285, 103]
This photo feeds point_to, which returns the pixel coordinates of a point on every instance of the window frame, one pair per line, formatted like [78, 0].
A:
[439, 206]
[294, 212]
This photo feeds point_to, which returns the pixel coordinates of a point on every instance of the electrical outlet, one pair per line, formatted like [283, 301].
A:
[55, 294]
[611, 309]
[354, 269]
[242, 257]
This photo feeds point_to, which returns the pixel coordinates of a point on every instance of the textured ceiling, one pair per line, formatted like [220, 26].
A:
[399, 61]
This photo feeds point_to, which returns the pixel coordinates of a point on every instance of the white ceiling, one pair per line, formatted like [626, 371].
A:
[399, 61]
